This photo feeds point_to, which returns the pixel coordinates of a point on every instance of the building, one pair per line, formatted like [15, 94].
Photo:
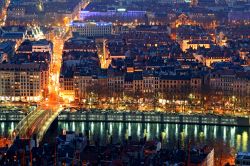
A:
[23, 82]
[190, 36]
[7, 50]
[42, 46]
[208, 60]
[115, 49]
[19, 33]
[91, 29]
[16, 36]
[195, 44]
[67, 85]
[116, 83]
[29, 47]
[239, 17]
[85, 84]
[230, 82]
[242, 159]
[80, 63]
[115, 15]
[42, 12]
[79, 44]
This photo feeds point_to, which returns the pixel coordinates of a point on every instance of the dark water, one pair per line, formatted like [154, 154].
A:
[7, 128]
[225, 139]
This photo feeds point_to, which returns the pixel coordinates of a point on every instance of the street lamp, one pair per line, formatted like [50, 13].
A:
[234, 99]
[191, 97]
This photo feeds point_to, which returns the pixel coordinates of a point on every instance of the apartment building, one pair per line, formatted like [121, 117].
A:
[136, 82]
[67, 88]
[116, 83]
[79, 44]
[81, 85]
[230, 82]
[85, 84]
[42, 46]
[23, 82]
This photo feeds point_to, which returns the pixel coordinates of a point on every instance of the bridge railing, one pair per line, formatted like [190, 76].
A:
[20, 124]
[46, 125]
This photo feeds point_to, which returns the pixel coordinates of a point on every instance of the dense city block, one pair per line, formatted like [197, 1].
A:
[123, 61]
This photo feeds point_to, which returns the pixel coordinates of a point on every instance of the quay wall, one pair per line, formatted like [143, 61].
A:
[153, 117]
[138, 117]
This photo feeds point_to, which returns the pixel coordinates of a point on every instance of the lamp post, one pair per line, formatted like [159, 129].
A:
[191, 97]
[234, 99]
[174, 109]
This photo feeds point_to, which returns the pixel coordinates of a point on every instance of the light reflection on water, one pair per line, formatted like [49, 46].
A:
[172, 134]
[7, 128]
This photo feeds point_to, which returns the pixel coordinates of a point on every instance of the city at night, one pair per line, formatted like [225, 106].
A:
[124, 82]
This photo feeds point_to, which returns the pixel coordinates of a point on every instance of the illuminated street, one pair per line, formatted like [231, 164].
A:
[39, 120]
[138, 82]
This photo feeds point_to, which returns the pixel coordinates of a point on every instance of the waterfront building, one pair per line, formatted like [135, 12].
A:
[25, 74]
[116, 82]
[67, 88]
[23, 82]
[119, 83]
[80, 60]
[230, 82]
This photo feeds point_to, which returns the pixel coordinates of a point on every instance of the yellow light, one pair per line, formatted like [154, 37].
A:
[244, 141]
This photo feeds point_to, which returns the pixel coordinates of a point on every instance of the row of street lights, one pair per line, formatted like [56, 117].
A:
[192, 104]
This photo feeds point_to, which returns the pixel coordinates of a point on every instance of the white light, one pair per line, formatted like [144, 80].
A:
[121, 10]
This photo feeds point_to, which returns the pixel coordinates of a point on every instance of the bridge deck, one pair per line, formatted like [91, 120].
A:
[37, 122]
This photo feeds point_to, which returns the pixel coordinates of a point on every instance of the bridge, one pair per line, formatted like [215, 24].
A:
[36, 122]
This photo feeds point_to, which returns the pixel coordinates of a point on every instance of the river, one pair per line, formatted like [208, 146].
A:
[227, 140]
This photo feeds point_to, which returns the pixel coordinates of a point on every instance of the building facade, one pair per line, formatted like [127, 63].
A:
[25, 82]
[91, 29]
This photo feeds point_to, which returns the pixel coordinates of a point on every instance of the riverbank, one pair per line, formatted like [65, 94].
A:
[137, 117]
[153, 117]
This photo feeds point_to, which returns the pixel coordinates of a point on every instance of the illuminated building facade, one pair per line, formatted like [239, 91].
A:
[230, 82]
[195, 44]
[23, 82]
[42, 46]
[120, 15]
[91, 29]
